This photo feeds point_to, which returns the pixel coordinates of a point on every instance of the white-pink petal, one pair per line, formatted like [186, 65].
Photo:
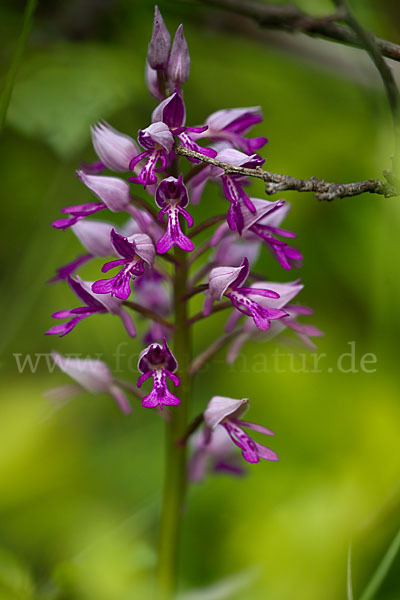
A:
[221, 407]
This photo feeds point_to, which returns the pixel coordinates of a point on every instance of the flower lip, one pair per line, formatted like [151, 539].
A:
[222, 407]
[107, 302]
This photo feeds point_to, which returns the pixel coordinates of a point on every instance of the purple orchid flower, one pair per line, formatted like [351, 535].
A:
[172, 198]
[159, 363]
[95, 237]
[225, 411]
[135, 251]
[93, 304]
[172, 112]
[158, 141]
[227, 281]
[264, 223]
[232, 184]
[213, 451]
[92, 376]
[67, 270]
[250, 332]
[287, 292]
[113, 193]
[168, 120]
[231, 124]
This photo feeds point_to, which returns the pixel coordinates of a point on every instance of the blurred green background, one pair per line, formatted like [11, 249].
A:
[80, 488]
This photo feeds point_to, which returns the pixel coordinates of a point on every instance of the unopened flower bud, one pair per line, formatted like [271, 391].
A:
[160, 43]
[179, 61]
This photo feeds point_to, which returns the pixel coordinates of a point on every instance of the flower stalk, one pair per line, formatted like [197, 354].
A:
[175, 459]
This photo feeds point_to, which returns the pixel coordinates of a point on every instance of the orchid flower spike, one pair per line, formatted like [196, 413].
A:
[136, 251]
[225, 412]
[92, 376]
[159, 363]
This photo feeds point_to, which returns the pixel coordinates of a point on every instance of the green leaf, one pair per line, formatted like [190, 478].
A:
[383, 569]
[60, 92]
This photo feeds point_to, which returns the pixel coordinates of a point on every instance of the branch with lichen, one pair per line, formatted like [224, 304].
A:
[323, 190]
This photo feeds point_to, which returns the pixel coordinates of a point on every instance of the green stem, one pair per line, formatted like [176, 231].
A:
[175, 471]
[16, 59]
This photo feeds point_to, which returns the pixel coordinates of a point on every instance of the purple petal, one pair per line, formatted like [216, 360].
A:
[112, 264]
[82, 293]
[118, 286]
[69, 269]
[266, 453]
[171, 111]
[253, 426]
[63, 328]
[122, 245]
